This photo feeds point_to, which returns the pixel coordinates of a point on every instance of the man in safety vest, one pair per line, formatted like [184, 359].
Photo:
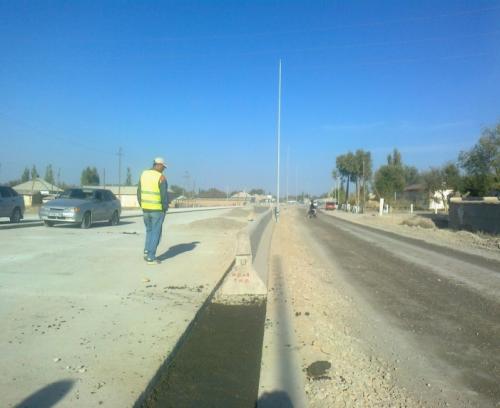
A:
[152, 194]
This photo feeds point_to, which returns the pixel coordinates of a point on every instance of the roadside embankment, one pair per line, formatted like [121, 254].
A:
[428, 228]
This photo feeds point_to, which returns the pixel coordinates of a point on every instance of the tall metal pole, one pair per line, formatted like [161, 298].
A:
[277, 214]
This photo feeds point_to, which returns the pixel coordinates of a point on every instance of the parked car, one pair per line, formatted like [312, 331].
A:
[330, 205]
[11, 204]
[82, 206]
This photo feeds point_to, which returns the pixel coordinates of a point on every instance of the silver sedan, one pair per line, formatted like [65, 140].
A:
[82, 206]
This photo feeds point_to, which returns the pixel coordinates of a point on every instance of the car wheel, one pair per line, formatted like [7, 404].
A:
[115, 219]
[16, 215]
[86, 221]
[48, 223]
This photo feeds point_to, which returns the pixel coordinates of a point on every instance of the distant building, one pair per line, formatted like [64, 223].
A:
[245, 197]
[242, 195]
[439, 200]
[416, 195]
[34, 191]
[420, 198]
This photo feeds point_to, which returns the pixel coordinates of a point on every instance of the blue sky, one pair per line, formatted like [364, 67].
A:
[196, 82]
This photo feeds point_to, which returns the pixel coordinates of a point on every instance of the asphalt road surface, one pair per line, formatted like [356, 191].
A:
[438, 309]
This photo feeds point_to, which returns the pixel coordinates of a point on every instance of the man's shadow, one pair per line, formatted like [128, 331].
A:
[47, 396]
[178, 249]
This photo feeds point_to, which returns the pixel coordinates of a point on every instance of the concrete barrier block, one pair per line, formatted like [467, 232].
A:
[242, 280]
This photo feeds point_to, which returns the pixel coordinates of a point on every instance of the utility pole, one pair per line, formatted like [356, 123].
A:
[278, 131]
[59, 177]
[187, 179]
[120, 154]
[364, 185]
[337, 190]
[104, 178]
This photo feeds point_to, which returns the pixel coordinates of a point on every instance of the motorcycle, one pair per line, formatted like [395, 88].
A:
[312, 213]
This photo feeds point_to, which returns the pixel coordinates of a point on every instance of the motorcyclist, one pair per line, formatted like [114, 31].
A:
[312, 208]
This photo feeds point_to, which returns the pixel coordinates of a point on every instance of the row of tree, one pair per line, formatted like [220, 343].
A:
[353, 168]
[33, 174]
[89, 176]
[210, 192]
[476, 171]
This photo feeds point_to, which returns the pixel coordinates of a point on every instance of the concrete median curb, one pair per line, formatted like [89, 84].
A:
[243, 282]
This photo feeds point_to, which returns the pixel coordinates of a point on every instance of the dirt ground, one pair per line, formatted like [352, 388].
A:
[340, 368]
[338, 371]
[427, 227]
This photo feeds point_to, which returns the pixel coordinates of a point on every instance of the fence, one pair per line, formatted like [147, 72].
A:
[475, 214]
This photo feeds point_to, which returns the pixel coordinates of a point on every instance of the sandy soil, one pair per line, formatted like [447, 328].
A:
[424, 227]
[338, 369]
[219, 223]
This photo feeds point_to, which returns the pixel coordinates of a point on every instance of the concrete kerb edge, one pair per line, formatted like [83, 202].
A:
[142, 399]
[242, 283]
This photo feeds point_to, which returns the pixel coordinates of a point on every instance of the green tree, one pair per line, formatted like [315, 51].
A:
[395, 158]
[34, 173]
[440, 180]
[482, 164]
[49, 174]
[90, 177]
[335, 176]
[348, 168]
[433, 181]
[390, 179]
[452, 177]
[362, 171]
[176, 190]
[128, 179]
[212, 193]
[26, 175]
[411, 175]
[257, 191]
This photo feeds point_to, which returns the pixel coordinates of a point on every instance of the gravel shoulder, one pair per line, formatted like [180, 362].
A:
[328, 325]
[424, 228]
[378, 326]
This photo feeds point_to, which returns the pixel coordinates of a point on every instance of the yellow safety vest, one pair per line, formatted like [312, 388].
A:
[150, 190]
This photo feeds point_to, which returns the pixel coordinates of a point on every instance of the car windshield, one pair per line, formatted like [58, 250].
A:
[77, 193]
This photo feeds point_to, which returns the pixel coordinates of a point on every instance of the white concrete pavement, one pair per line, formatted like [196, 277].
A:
[85, 321]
